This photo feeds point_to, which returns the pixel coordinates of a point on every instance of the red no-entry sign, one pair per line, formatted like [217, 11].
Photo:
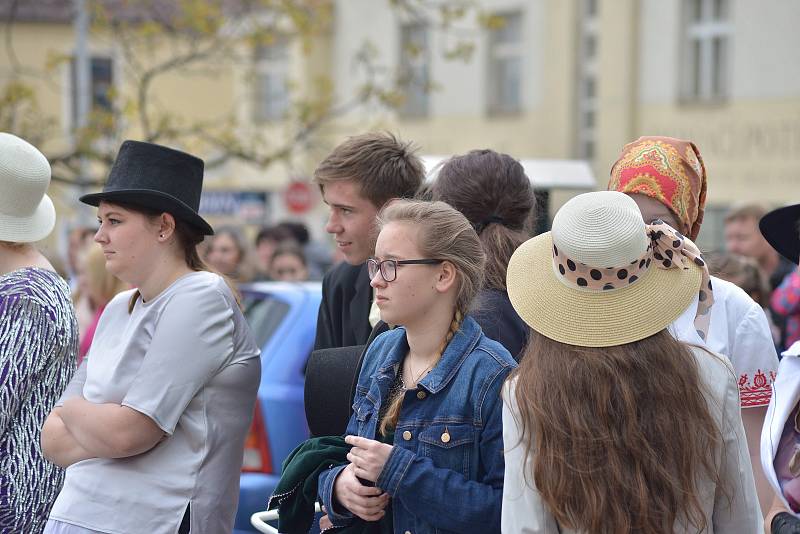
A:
[298, 197]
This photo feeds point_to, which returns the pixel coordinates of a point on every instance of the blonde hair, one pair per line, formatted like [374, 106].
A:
[444, 234]
[98, 280]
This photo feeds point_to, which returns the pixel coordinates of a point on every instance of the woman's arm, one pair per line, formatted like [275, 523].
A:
[67, 436]
[331, 479]
[753, 421]
[109, 430]
[26, 329]
[523, 510]
[780, 521]
[78, 429]
[736, 507]
[58, 445]
[170, 374]
[430, 491]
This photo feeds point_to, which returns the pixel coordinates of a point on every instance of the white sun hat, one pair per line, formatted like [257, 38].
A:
[26, 212]
[602, 277]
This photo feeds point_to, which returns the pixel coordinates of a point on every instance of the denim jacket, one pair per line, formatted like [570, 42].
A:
[445, 471]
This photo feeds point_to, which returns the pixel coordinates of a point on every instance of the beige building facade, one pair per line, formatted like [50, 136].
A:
[583, 77]
[546, 79]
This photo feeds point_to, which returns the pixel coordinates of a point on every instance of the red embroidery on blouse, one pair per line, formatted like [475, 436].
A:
[756, 392]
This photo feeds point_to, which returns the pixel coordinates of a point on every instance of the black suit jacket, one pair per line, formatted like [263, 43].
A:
[343, 319]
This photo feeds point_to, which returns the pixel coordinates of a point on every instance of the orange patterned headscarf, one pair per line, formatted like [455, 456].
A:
[667, 169]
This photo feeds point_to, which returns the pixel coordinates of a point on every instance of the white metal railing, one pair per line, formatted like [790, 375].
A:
[259, 520]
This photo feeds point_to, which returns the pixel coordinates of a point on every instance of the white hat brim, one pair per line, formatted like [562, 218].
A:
[595, 318]
[33, 227]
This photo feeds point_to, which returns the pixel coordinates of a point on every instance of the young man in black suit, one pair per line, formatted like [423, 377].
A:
[356, 180]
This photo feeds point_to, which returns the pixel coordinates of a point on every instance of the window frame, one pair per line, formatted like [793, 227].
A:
[587, 104]
[705, 75]
[498, 52]
[72, 117]
[417, 103]
[266, 67]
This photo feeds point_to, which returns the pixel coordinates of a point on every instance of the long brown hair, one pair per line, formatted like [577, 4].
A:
[618, 437]
[445, 234]
[496, 196]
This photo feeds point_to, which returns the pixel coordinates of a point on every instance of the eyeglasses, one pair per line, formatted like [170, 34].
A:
[388, 268]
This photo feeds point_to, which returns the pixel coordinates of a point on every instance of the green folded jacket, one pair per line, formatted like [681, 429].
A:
[296, 492]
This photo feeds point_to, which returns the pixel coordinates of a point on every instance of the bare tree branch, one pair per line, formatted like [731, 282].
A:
[199, 43]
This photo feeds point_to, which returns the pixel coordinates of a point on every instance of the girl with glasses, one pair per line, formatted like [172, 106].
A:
[426, 434]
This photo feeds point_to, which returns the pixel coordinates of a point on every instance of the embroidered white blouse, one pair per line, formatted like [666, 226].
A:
[740, 331]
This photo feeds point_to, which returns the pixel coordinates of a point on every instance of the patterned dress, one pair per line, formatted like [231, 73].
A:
[38, 348]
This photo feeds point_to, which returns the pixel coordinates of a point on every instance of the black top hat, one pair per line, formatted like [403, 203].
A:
[780, 229]
[156, 177]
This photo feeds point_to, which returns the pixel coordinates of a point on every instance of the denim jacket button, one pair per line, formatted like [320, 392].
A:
[420, 395]
[407, 435]
[445, 437]
[408, 532]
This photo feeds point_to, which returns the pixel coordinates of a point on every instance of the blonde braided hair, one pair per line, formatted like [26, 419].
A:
[389, 421]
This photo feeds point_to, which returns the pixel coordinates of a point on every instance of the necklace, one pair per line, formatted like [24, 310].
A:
[424, 372]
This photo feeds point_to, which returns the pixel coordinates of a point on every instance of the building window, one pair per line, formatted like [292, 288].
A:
[505, 65]
[414, 68]
[706, 50]
[101, 82]
[272, 80]
[587, 79]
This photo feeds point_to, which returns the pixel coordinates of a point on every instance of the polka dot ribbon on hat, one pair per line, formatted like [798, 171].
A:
[667, 248]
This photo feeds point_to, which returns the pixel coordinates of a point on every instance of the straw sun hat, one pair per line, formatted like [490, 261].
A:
[602, 277]
[26, 213]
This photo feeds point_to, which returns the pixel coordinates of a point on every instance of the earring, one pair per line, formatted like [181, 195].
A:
[161, 236]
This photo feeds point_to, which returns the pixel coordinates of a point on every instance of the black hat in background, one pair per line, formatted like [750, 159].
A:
[156, 177]
[780, 228]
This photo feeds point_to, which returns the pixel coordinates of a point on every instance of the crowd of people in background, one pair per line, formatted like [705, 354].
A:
[605, 376]
[282, 252]
[285, 251]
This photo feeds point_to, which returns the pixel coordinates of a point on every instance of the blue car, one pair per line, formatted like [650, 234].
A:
[283, 318]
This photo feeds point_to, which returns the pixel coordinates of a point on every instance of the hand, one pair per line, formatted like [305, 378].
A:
[366, 502]
[367, 456]
[325, 522]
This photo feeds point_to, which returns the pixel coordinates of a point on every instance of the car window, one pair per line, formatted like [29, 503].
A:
[265, 313]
